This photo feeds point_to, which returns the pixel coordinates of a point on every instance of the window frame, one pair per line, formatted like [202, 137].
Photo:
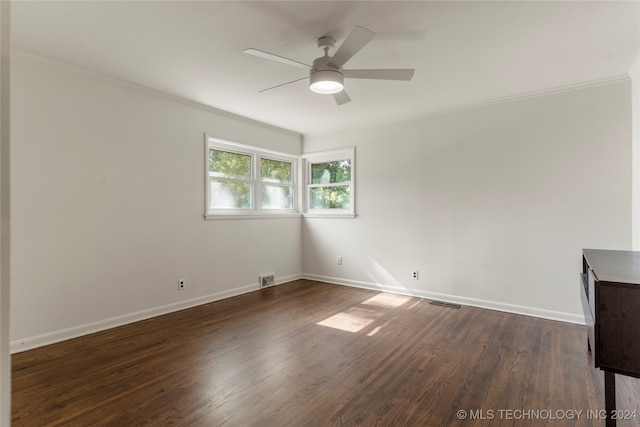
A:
[256, 154]
[251, 180]
[329, 156]
[261, 182]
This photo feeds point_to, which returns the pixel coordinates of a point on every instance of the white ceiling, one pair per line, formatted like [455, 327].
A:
[463, 52]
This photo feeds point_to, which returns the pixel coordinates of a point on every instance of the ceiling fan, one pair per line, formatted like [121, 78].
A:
[326, 75]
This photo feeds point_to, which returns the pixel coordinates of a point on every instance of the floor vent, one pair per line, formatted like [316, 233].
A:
[445, 304]
[266, 280]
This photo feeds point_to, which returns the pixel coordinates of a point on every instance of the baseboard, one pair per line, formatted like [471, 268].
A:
[90, 328]
[455, 299]
[77, 331]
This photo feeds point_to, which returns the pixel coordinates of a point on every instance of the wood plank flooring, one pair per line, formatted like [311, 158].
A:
[314, 354]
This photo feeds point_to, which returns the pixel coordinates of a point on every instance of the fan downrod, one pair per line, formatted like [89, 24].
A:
[326, 45]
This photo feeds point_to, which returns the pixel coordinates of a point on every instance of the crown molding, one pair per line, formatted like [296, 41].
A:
[149, 91]
[480, 103]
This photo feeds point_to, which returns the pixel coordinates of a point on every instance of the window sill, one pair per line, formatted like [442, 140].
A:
[340, 215]
[227, 216]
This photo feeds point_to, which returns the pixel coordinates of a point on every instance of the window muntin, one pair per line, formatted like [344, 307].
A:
[245, 181]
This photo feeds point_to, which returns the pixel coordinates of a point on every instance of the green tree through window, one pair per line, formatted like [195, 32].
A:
[330, 185]
[245, 180]
[277, 184]
[231, 185]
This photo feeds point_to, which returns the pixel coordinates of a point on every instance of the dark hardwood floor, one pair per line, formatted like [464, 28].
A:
[314, 354]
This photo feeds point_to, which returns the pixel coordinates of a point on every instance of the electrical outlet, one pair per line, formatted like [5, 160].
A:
[414, 275]
[181, 285]
[339, 260]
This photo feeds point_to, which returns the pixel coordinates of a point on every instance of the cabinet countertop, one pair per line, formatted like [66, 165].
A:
[614, 266]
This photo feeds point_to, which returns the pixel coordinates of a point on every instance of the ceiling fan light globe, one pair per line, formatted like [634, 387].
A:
[326, 87]
[326, 82]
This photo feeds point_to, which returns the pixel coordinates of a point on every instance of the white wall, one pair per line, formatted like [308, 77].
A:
[491, 204]
[5, 358]
[108, 197]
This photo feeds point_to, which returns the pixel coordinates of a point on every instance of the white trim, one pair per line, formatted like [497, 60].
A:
[350, 215]
[74, 332]
[5, 212]
[235, 146]
[178, 99]
[455, 299]
[207, 179]
[90, 328]
[329, 156]
[257, 154]
[251, 215]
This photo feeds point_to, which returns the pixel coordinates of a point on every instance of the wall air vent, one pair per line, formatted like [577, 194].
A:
[266, 280]
[445, 304]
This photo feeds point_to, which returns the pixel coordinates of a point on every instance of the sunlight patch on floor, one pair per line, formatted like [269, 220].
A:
[387, 300]
[351, 320]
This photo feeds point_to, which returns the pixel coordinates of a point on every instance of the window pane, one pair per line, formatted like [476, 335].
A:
[333, 197]
[331, 172]
[225, 164]
[276, 197]
[275, 171]
[230, 195]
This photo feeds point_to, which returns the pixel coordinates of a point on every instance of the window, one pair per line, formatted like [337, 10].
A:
[330, 183]
[231, 180]
[243, 180]
[277, 184]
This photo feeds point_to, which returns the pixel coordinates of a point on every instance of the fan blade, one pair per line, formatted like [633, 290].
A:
[389, 74]
[272, 57]
[341, 97]
[273, 87]
[356, 40]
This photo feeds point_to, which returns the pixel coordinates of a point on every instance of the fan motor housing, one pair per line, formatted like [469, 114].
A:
[324, 78]
[326, 81]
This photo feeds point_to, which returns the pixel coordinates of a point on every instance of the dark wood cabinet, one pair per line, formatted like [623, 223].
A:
[610, 294]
